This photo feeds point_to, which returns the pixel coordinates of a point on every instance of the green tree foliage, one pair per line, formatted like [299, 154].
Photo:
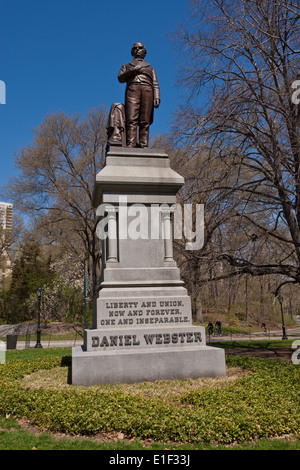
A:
[30, 271]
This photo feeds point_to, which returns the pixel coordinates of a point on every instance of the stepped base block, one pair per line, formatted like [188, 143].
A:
[115, 366]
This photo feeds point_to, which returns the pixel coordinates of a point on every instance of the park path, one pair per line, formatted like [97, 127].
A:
[292, 333]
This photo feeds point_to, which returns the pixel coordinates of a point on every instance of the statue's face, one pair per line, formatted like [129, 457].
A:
[138, 50]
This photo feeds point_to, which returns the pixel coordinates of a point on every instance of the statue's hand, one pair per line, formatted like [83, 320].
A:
[156, 103]
[138, 68]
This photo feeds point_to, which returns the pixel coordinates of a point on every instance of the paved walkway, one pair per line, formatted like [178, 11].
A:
[50, 344]
[270, 335]
[292, 333]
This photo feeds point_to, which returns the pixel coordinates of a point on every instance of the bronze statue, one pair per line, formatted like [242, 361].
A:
[141, 96]
[115, 127]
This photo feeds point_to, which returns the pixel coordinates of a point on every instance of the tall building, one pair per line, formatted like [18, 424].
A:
[6, 210]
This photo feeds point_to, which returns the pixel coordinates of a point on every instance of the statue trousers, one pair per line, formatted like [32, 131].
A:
[139, 109]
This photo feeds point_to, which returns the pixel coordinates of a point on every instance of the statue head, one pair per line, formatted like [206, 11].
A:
[138, 50]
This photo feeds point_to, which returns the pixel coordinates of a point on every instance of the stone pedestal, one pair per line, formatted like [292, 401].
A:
[142, 325]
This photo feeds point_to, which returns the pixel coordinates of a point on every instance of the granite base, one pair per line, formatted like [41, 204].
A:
[115, 366]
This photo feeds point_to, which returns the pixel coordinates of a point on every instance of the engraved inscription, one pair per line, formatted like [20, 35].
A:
[143, 312]
[152, 339]
[144, 321]
[116, 340]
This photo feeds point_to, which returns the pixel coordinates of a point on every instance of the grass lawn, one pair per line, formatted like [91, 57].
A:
[46, 337]
[140, 416]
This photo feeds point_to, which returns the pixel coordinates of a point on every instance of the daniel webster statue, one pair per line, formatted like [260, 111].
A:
[141, 96]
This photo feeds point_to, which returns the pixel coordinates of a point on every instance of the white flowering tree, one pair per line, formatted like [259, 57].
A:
[63, 297]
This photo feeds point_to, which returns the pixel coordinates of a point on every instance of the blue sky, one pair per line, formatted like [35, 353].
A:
[65, 55]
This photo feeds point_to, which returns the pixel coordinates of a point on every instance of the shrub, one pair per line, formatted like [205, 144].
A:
[262, 403]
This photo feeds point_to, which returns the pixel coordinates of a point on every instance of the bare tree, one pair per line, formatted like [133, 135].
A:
[241, 59]
[57, 174]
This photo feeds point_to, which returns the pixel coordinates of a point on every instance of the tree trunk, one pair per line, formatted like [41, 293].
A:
[198, 309]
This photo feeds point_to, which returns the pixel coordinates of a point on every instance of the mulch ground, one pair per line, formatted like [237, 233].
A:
[279, 354]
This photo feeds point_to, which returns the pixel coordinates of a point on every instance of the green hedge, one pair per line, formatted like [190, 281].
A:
[263, 403]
